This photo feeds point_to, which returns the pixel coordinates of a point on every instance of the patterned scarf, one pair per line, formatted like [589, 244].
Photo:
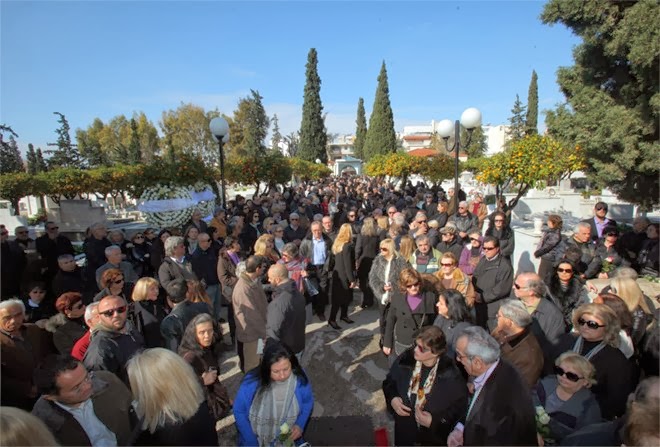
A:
[416, 379]
[268, 408]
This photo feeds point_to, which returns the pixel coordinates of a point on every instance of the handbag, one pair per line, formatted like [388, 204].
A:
[311, 286]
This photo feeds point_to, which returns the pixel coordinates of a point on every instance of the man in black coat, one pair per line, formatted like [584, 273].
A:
[501, 411]
[51, 246]
[183, 311]
[204, 262]
[492, 280]
[68, 277]
[95, 247]
[316, 249]
[285, 319]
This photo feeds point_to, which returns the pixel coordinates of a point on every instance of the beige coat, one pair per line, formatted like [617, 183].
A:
[250, 309]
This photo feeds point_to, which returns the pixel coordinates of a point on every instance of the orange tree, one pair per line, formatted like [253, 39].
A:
[114, 181]
[271, 169]
[528, 163]
[438, 168]
[399, 165]
[306, 170]
[65, 182]
[16, 185]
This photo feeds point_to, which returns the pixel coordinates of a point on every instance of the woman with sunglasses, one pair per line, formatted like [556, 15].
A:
[113, 283]
[453, 278]
[597, 339]
[500, 229]
[69, 324]
[412, 308]
[611, 253]
[566, 396]
[471, 254]
[425, 391]
[567, 290]
[549, 245]
[384, 272]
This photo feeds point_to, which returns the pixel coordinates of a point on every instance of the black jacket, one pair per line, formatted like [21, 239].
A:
[503, 413]
[447, 401]
[174, 325]
[50, 249]
[506, 237]
[205, 266]
[198, 430]
[67, 282]
[493, 280]
[455, 247]
[285, 320]
[110, 351]
[146, 317]
[403, 324]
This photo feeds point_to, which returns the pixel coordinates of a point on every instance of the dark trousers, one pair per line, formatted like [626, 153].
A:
[321, 300]
[336, 307]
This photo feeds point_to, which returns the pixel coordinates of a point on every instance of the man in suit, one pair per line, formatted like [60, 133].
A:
[316, 248]
[493, 417]
[600, 221]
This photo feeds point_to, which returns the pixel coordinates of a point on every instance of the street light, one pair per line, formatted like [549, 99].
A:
[470, 119]
[220, 130]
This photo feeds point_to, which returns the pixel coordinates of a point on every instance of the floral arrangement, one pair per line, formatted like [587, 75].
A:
[166, 206]
[285, 435]
[207, 205]
[542, 427]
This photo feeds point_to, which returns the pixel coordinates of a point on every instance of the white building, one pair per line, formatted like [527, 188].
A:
[341, 146]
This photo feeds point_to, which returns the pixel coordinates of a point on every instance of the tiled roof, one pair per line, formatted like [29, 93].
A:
[416, 137]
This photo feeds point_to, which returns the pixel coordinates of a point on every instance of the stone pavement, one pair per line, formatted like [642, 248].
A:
[346, 369]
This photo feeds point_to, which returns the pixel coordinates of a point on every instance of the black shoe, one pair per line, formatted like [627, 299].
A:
[321, 316]
[334, 325]
[347, 320]
[365, 306]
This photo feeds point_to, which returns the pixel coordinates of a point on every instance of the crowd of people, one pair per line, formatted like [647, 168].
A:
[126, 349]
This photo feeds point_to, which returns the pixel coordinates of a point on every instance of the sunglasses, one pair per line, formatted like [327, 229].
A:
[413, 285]
[518, 286]
[111, 312]
[611, 234]
[474, 239]
[422, 221]
[77, 306]
[118, 281]
[601, 208]
[383, 249]
[561, 270]
[447, 264]
[139, 237]
[53, 228]
[590, 324]
[21, 232]
[569, 375]
[489, 248]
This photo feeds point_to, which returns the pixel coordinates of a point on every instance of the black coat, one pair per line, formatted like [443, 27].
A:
[594, 230]
[67, 282]
[447, 401]
[503, 413]
[205, 266]
[51, 249]
[341, 267]
[198, 430]
[110, 351]
[174, 325]
[366, 249]
[492, 280]
[146, 317]
[403, 323]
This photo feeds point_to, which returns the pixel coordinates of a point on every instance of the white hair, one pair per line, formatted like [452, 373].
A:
[91, 307]
[7, 304]
[171, 243]
[515, 311]
[581, 225]
[111, 249]
[481, 344]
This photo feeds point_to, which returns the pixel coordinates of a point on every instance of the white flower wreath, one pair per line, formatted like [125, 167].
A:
[206, 198]
[167, 206]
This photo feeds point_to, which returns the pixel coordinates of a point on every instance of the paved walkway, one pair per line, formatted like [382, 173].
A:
[346, 369]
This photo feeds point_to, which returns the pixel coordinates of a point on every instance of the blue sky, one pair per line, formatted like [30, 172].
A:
[91, 59]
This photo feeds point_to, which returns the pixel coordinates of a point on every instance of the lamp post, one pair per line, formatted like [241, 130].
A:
[470, 119]
[220, 130]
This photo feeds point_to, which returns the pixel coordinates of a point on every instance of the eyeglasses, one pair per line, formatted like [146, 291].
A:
[139, 237]
[611, 234]
[561, 270]
[111, 312]
[447, 264]
[590, 324]
[118, 281]
[474, 239]
[499, 220]
[391, 212]
[413, 285]
[421, 348]
[422, 221]
[460, 356]
[518, 286]
[489, 248]
[569, 375]
[53, 228]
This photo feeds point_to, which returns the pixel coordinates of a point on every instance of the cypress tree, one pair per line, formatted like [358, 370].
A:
[66, 155]
[360, 131]
[381, 138]
[41, 163]
[313, 137]
[277, 135]
[517, 125]
[10, 155]
[532, 118]
[31, 157]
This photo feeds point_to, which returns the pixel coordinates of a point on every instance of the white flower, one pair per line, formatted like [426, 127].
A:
[544, 419]
[540, 410]
[284, 428]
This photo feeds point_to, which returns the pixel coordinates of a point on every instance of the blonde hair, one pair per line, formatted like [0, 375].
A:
[383, 222]
[18, 428]
[151, 374]
[141, 289]
[583, 366]
[628, 290]
[389, 244]
[369, 227]
[345, 235]
[606, 315]
[261, 245]
[406, 247]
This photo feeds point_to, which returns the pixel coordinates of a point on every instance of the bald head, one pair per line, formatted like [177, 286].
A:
[277, 274]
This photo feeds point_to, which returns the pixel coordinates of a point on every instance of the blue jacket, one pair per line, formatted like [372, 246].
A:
[245, 396]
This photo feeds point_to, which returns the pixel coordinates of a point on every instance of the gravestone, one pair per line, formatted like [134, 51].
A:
[75, 216]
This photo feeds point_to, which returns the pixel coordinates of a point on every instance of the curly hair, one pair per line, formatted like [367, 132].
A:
[67, 300]
[110, 276]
